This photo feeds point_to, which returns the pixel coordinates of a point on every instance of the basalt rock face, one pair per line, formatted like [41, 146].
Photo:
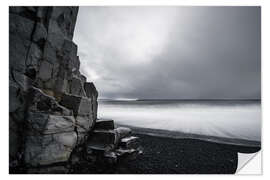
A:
[52, 107]
[53, 125]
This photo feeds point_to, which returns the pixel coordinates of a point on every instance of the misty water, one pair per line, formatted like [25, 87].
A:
[225, 119]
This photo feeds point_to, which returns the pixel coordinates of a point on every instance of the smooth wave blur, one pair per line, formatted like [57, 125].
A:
[229, 119]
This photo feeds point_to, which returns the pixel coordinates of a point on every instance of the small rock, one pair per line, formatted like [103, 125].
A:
[130, 142]
[104, 124]
[123, 132]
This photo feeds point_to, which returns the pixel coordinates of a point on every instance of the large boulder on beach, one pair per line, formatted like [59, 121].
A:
[104, 124]
[107, 145]
[102, 140]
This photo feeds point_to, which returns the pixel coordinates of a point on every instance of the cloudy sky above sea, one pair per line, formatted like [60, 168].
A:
[171, 52]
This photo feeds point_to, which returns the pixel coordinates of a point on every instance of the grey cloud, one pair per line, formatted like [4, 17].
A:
[171, 52]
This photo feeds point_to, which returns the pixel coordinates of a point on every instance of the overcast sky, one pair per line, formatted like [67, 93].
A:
[171, 52]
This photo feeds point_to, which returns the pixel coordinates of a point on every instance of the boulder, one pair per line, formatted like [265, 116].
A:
[126, 155]
[123, 132]
[121, 152]
[104, 124]
[102, 140]
[130, 142]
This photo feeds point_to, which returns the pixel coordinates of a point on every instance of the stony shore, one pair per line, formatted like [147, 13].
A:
[175, 156]
[166, 155]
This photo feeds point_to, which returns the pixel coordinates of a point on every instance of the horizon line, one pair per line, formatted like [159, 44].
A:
[205, 99]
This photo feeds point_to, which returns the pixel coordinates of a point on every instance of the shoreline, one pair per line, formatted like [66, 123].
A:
[181, 135]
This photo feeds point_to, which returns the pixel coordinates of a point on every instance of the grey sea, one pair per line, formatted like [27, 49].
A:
[229, 121]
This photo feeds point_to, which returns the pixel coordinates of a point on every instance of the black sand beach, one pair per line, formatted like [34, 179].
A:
[167, 155]
[163, 155]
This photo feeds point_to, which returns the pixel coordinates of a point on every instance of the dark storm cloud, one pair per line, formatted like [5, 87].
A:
[171, 52]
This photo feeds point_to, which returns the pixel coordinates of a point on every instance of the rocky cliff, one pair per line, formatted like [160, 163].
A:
[52, 107]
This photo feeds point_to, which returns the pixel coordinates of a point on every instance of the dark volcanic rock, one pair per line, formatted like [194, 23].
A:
[76, 87]
[79, 105]
[104, 124]
[103, 140]
[43, 123]
[43, 71]
[92, 93]
[130, 142]
[123, 132]
[41, 102]
[50, 148]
